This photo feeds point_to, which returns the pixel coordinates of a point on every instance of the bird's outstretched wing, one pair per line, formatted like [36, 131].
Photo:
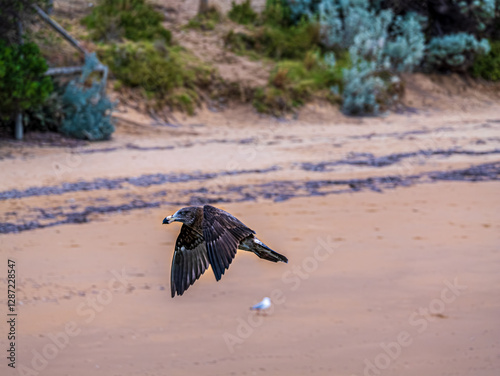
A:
[222, 233]
[190, 260]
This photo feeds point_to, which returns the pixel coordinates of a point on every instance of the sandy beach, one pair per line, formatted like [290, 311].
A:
[391, 226]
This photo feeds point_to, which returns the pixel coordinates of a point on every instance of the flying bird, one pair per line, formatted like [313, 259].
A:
[262, 306]
[210, 236]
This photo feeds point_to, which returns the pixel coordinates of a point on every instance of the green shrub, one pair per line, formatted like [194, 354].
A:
[184, 99]
[271, 100]
[131, 19]
[22, 81]
[292, 82]
[141, 64]
[242, 13]
[488, 66]
[312, 73]
[168, 75]
[275, 35]
[287, 43]
[277, 13]
[240, 42]
[276, 42]
[206, 21]
[47, 116]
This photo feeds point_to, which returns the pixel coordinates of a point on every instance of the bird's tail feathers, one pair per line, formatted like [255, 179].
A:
[266, 253]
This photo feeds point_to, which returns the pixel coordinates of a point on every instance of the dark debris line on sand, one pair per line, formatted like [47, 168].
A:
[131, 146]
[276, 190]
[401, 135]
[368, 159]
[118, 183]
[355, 159]
[74, 217]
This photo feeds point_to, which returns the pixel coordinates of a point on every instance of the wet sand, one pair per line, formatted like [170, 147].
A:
[400, 281]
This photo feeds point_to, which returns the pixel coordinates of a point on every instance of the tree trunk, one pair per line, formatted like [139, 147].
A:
[19, 115]
[19, 126]
[203, 7]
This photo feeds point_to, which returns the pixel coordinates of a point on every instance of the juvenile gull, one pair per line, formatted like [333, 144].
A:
[210, 236]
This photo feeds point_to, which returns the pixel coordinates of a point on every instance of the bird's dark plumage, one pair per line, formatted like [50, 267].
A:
[189, 261]
[223, 233]
[210, 236]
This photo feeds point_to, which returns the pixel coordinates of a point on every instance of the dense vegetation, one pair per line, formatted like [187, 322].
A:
[22, 67]
[488, 66]
[15, 13]
[207, 20]
[242, 13]
[142, 56]
[381, 39]
[347, 52]
[165, 75]
[134, 20]
[78, 108]
[302, 69]
[22, 81]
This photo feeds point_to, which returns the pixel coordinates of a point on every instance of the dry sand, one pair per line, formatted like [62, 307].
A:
[381, 280]
[399, 282]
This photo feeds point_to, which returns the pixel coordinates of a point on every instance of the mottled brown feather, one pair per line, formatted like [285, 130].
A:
[222, 233]
[189, 261]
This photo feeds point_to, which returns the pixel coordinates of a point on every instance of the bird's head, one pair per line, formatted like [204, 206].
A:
[185, 215]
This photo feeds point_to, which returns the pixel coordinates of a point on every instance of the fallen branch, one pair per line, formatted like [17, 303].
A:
[59, 29]
[66, 71]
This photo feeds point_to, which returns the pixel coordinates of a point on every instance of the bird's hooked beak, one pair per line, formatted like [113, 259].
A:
[168, 220]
